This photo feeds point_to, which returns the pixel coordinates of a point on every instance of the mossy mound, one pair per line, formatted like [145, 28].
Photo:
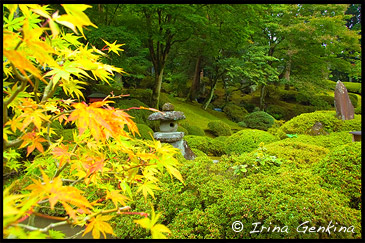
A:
[193, 130]
[145, 132]
[234, 112]
[301, 154]
[331, 141]
[219, 128]
[247, 140]
[259, 120]
[303, 123]
[341, 169]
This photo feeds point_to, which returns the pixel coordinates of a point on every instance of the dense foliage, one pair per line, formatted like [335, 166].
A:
[247, 140]
[93, 176]
[219, 128]
[259, 120]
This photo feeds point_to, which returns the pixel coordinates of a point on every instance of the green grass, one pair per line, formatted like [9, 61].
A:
[196, 116]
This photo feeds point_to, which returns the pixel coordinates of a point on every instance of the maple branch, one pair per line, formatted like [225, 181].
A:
[58, 172]
[75, 235]
[45, 229]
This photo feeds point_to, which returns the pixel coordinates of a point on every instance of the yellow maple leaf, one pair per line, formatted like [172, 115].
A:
[150, 224]
[98, 225]
[113, 47]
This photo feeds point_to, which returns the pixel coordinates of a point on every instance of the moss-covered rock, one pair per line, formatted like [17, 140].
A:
[219, 128]
[198, 142]
[247, 140]
[259, 120]
[341, 169]
[234, 112]
[303, 123]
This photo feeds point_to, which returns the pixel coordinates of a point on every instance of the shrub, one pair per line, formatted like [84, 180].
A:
[259, 120]
[182, 129]
[145, 131]
[217, 145]
[193, 130]
[199, 142]
[278, 112]
[331, 141]
[234, 112]
[358, 110]
[213, 198]
[140, 94]
[341, 169]
[287, 198]
[303, 123]
[247, 140]
[219, 128]
[353, 99]
[242, 124]
[301, 154]
[353, 87]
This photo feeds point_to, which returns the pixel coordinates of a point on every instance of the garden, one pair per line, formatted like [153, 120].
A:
[273, 159]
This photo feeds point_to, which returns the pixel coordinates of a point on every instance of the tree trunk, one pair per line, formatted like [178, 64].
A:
[287, 73]
[194, 86]
[157, 89]
[211, 93]
[262, 97]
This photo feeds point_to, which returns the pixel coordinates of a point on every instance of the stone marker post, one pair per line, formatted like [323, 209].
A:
[344, 107]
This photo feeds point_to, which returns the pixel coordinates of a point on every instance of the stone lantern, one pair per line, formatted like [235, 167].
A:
[168, 129]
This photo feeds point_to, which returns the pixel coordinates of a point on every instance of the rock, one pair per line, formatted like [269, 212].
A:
[166, 116]
[344, 107]
[188, 153]
[168, 137]
[317, 129]
[168, 107]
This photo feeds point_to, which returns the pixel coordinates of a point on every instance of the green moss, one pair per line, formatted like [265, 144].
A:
[353, 99]
[198, 142]
[219, 128]
[331, 141]
[301, 154]
[247, 140]
[145, 131]
[217, 145]
[182, 129]
[303, 123]
[353, 87]
[259, 120]
[193, 130]
[234, 112]
[341, 169]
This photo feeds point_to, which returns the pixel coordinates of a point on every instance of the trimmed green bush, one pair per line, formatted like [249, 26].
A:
[278, 112]
[193, 130]
[303, 123]
[247, 140]
[302, 154]
[234, 112]
[353, 99]
[259, 120]
[358, 110]
[353, 87]
[331, 141]
[341, 169]
[286, 199]
[181, 129]
[198, 142]
[145, 131]
[219, 128]
[217, 145]
[242, 124]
